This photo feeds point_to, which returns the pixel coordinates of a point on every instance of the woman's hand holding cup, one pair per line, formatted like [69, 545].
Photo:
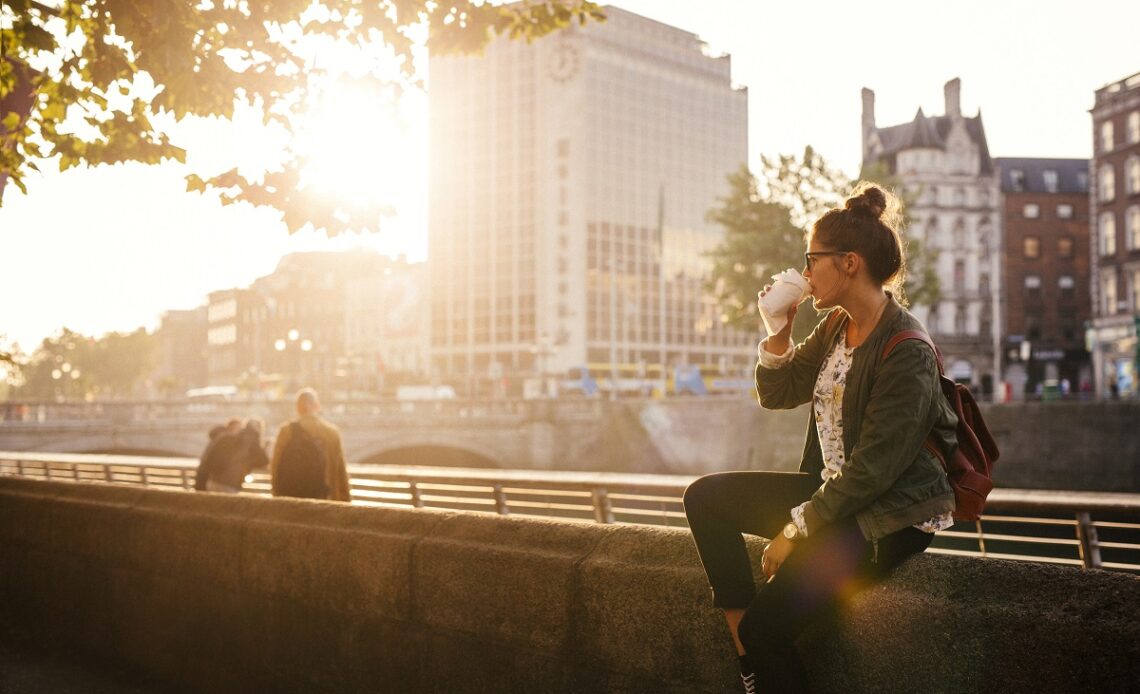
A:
[778, 304]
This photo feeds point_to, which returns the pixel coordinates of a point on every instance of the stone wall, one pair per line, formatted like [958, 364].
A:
[218, 593]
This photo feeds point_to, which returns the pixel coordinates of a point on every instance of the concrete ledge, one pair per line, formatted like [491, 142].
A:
[219, 593]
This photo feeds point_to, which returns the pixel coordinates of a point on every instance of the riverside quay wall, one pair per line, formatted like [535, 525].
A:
[224, 593]
[1069, 445]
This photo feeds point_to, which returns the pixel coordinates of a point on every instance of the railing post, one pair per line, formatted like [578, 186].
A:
[1086, 533]
[142, 477]
[185, 479]
[107, 474]
[75, 471]
[20, 467]
[47, 471]
[414, 490]
[501, 500]
[603, 509]
[981, 537]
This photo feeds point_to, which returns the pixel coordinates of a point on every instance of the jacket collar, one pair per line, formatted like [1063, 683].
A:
[882, 330]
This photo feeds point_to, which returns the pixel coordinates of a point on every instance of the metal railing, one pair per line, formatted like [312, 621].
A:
[1088, 529]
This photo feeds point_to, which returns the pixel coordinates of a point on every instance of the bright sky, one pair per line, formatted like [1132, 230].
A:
[112, 248]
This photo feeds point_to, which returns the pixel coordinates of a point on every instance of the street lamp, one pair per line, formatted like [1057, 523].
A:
[543, 347]
[293, 341]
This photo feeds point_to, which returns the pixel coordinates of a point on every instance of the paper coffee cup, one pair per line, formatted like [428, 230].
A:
[788, 289]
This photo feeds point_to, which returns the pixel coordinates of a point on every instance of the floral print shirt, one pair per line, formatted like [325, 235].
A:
[827, 404]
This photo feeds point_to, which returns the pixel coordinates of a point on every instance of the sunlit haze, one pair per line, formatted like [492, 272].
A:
[111, 248]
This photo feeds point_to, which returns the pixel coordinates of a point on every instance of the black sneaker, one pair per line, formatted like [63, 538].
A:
[747, 675]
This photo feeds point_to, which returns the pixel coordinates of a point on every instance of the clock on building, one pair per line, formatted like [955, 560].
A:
[562, 63]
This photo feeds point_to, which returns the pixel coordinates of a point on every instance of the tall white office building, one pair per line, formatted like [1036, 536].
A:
[570, 179]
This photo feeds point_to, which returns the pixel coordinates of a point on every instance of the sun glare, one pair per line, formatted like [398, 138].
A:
[361, 146]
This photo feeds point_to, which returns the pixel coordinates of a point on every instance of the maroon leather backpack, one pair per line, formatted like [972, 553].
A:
[971, 465]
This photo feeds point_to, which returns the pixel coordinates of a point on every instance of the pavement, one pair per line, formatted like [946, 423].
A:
[28, 669]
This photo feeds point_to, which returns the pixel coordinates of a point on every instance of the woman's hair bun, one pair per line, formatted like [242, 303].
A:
[871, 201]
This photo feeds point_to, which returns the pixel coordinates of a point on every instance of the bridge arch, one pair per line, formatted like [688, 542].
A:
[434, 450]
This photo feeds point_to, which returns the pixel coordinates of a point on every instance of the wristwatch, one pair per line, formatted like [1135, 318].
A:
[791, 532]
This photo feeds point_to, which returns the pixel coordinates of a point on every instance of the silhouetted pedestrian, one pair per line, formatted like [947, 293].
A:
[308, 458]
[232, 427]
[233, 456]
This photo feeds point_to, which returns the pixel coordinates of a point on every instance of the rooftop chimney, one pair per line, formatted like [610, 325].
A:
[953, 90]
[868, 118]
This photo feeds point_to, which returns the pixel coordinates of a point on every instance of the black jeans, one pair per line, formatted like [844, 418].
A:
[831, 563]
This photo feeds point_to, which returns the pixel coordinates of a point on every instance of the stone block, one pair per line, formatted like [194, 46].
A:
[335, 557]
[502, 580]
[644, 608]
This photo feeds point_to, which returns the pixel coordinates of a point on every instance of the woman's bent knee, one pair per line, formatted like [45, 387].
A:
[702, 491]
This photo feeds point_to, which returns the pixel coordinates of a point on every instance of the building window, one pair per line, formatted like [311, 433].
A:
[1106, 138]
[1033, 282]
[1107, 233]
[1031, 211]
[1064, 211]
[1017, 180]
[959, 275]
[1032, 328]
[1066, 283]
[1065, 247]
[1050, 177]
[1132, 228]
[1031, 247]
[1083, 181]
[1107, 178]
[1136, 290]
[1108, 294]
[1134, 126]
[1132, 175]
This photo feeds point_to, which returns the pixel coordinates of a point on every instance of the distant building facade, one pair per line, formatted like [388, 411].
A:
[289, 329]
[1045, 218]
[1114, 215]
[944, 162]
[570, 179]
[232, 346]
[182, 352]
[386, 327]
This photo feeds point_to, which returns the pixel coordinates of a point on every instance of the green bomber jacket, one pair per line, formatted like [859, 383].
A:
[889, 480]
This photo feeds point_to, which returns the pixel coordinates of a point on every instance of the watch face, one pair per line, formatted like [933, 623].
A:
[563, 62]
[790, 531]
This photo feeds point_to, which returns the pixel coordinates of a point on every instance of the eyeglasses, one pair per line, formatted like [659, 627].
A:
[809, 258]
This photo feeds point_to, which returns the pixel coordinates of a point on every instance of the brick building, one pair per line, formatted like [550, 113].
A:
[1114, 212]
[1045, 256]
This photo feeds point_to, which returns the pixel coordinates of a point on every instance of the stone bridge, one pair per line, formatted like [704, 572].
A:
[1045, 445]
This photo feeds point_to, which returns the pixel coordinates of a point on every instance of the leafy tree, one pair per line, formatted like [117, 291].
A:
[10, 366]
[89, 81]
[760, 240]
[807, 186]
[766, 221]
[74, 366]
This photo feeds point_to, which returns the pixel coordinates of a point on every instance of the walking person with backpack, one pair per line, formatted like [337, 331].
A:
[308, 458]
[871, 490]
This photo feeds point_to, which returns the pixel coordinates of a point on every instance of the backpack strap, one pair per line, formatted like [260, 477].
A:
[919, 335]
[902, 336]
